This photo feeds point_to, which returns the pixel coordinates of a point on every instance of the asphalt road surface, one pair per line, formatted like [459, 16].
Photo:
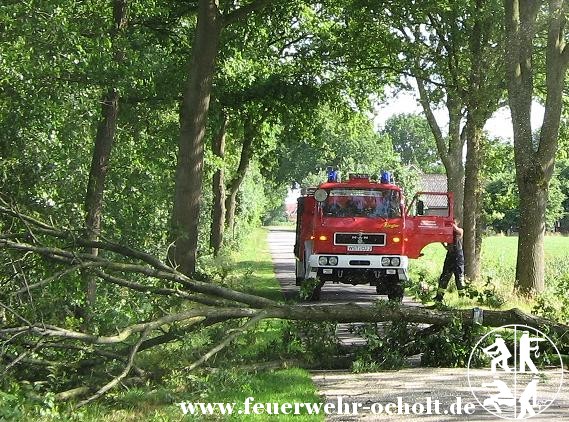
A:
[412, 385]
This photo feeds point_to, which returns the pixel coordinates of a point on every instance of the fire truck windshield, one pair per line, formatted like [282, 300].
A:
[371, 203]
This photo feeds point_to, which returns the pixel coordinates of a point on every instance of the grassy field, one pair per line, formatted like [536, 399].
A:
[227, 380]
[498, 267]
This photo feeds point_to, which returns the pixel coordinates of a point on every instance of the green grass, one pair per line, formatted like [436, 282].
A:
[498, 268]
[228, 380]
[254, 267]
[283, 386]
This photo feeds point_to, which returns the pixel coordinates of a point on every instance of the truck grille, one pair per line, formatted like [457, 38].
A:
[359, 239]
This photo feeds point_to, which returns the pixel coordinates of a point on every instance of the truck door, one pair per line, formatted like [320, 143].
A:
[429, 218]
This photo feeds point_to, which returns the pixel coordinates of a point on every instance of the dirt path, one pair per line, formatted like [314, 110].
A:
[412, 385]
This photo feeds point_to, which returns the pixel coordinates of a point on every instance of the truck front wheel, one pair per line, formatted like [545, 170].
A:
[396, 292]
[310, 289]
[299, 272]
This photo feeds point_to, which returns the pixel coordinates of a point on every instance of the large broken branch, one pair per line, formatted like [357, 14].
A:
[349, 312]
[172, 275]
[27, 332]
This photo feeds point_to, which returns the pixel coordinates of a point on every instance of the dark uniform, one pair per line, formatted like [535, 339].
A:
[454, 264]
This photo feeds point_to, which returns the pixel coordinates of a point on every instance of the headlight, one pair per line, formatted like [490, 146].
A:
[323, 260]
[395, 262]
[333, 260]
[385, 262]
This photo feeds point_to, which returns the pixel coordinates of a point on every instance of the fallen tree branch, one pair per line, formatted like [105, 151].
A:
[197, 315]
[204, 300]
[349, 312]
[221, 304]
[227, 340]
[353, 312]
[193, 285]
[54, 277]
[177, 333]
[118, 378]
[20, 357]
[69, 235]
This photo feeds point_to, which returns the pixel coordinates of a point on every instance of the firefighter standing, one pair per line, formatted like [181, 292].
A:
[454, 263]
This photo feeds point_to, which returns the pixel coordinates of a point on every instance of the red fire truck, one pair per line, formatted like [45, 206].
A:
[361, 232]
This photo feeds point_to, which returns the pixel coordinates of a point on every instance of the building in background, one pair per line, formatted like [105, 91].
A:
[434, 204]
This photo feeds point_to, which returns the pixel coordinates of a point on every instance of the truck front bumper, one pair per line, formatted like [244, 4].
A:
[350, 264]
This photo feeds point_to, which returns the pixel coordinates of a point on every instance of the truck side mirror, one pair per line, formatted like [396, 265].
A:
[420, 207]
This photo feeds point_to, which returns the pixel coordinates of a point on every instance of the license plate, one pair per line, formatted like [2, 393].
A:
[359, 248]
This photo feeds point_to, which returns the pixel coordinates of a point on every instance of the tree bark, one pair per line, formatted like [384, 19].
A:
[193, 120]
[530, 264]
[218, 187]
[474, 135]
[249, 133]
[104, 140]
[472, 201]
[94, 197]
[534, 164]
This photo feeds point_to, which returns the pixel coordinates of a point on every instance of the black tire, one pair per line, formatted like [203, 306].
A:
[314, 295]
[299, 278]
[396, 293]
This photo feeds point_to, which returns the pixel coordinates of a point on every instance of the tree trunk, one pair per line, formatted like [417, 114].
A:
[249, 132]
[534, 164]
[530, 266]
[94, 197]
[104, 140]
[471, 200]
[455, 183]
[193, 120]
[478, 238]
[474, 125]
[218, 187]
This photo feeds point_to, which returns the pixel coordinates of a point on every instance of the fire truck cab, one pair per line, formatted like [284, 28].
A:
[361, 232]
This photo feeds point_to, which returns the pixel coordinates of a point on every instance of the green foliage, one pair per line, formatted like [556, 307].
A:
[307, 288]
[500, 199]
[488, 295]
[386, 347]
[450, 346]
[413, 140]
[339, 136]
[553, 304]
[316, 342]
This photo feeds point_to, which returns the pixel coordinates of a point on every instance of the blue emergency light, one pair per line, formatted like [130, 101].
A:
[332, 174]
[385, 177]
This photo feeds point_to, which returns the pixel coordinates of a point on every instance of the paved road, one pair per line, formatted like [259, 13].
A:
[413, 385]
